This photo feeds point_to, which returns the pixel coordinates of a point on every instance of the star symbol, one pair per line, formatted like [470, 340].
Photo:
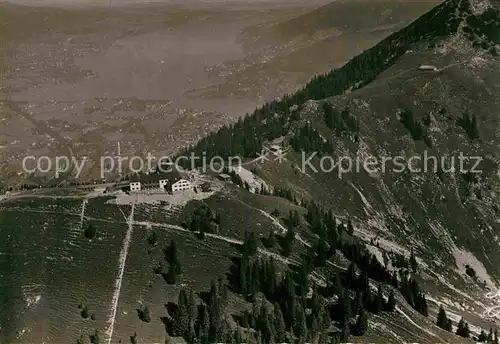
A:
[280, 156]
[262, 156]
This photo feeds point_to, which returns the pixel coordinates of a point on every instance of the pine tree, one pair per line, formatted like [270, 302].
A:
[171, 252]
[482, 336]
[351, 276]
[94, 338]
[378, 301]
[495, 339]
[133, 338]
[463, 329]
[314, 330]
[271, 239]
[449, 326]
[204, 326]
[394, 280]
[144, 314]
[350, 227]
[442, 319]
[344, 309]
[287, 242]
[171, 275]
[279, 324]
[361, 325]
[84, 312]
[413, 261]
[300, 323]
[193, 316]
[180, 321]
[250, 243]
[391, 302]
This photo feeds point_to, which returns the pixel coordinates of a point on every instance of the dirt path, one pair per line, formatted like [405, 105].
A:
[82, 214]
[276, 222]
[118, 283]
[494, 311]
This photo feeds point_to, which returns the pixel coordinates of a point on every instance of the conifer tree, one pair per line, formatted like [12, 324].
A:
[463, 329]
[449, 326]
[193, 316]
[171, 275]
[180, 319]
[361, 325]
[482, 336]
[287, 242]
[250, 243]
[314, 330]
[413, 262]
[490, 336]
[271, 239]
[144, 314]
[204, 326]
[378, 301]
[279, 324]
[300, 322]
[394, 280]
[442, 319]
[350, 227]
[391, 302]
[351, 276]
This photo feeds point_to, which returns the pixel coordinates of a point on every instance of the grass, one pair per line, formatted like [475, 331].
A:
[59, 266]
[201, 261]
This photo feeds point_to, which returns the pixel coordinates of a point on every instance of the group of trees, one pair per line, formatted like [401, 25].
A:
[308, 139]
[294, 311]
[340, 122]
[490, 338]
[278, 192]
[463, 330]
[331, 234]
[203, 220]
[443, 321]
[144, 314]
[468, 123]
[417, 128]
[205, 322]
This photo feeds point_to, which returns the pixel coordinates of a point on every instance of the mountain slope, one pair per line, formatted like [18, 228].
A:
[342, 242]
[449, 218]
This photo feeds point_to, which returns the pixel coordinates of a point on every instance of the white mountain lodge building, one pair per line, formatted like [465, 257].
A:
[166, 181]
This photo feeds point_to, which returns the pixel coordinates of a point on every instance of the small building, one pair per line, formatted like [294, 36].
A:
[135, 186]
[171, 181]
[224, 177]
[428, 68]
[163, 183]
[179, 185]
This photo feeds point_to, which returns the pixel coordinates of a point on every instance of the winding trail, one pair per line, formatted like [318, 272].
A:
[118, 283]
[82, 214]
[494, 311]
[410, 320]
[275, 222]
